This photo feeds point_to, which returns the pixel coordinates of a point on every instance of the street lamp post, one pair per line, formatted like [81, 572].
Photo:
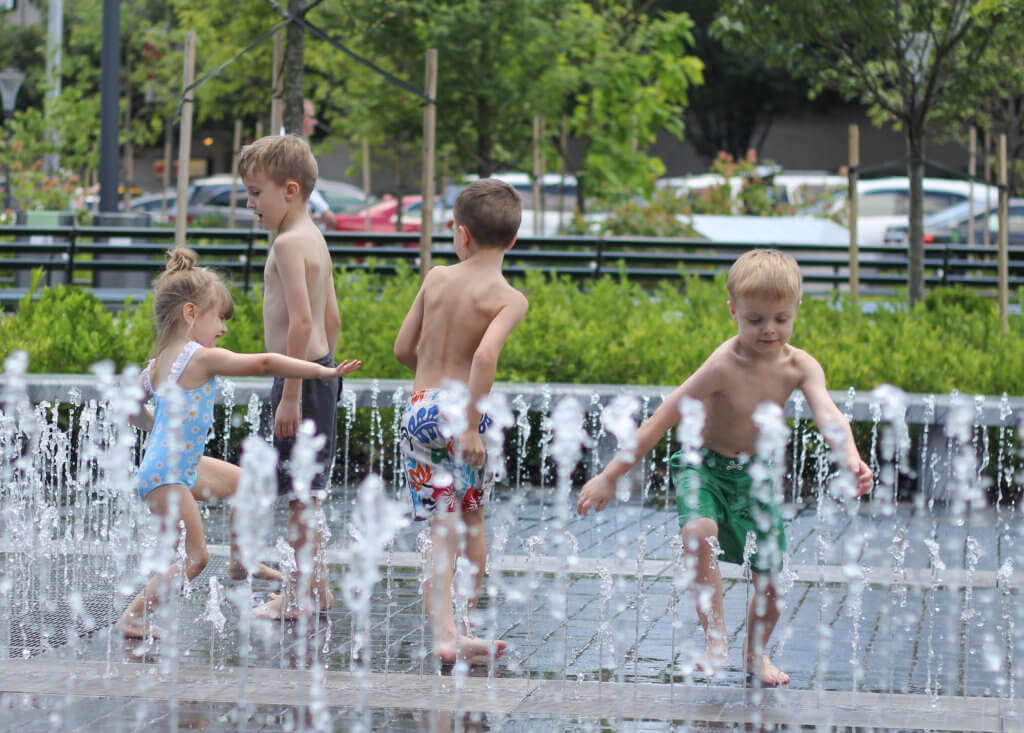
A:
[10, 83]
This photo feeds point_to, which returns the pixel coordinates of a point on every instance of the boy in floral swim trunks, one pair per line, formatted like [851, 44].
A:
[756, 366]
[455, 330]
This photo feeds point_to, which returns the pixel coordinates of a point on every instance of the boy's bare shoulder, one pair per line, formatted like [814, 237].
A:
[805, 363]
[300, 238]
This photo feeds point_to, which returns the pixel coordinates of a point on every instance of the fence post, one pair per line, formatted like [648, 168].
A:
[72, 242]
[250, 241]
[851, 197]
[1004, 238]
[429, 125]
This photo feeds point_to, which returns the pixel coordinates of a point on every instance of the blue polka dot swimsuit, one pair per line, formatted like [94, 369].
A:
[181, 422]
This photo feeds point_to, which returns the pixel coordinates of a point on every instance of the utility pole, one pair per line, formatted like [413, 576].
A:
[110, 97]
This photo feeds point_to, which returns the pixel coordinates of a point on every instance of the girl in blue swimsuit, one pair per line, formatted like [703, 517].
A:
[190, 306]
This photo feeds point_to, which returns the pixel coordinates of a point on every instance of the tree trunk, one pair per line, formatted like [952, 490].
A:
[915, 239]
[294, 51]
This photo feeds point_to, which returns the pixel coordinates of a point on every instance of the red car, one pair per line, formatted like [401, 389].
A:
[383, 216]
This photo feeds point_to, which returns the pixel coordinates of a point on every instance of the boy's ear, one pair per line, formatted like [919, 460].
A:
[512, 243]
[291, 188]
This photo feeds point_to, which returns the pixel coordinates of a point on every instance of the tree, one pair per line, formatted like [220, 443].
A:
[1001, 109]
[490, 58]
[912, 62]
[733, 110]
[626, 78]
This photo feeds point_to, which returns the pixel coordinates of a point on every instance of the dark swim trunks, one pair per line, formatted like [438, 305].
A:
[319, 403]
[723, 488]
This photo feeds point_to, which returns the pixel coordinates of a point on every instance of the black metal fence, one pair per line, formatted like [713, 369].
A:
[119, 262]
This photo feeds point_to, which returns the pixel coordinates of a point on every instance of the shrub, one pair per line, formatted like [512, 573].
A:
[608, 330]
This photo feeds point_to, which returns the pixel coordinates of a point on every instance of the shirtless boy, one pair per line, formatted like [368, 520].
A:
[455, 330]
[300, 319]
[755, 366]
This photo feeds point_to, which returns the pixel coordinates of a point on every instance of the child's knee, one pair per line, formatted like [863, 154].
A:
[473, 519]
[697, 532]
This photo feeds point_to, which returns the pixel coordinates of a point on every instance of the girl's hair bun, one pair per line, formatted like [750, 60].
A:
[181, 259]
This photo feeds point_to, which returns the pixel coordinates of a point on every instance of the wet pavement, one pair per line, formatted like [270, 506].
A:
[894, 618]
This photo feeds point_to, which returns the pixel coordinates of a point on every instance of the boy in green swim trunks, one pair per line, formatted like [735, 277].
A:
[756, 366]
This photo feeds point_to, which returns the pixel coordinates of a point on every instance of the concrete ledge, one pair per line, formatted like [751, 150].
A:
[921, 408]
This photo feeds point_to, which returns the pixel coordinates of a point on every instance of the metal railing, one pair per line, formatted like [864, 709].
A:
[80, 254]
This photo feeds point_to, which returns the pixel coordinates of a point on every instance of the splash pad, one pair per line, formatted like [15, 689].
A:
[902, 610]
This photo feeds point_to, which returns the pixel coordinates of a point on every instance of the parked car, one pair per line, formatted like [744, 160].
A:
[209, 202]
[153, 204]
[951, 224]
[383, 216]
[342, 197]
[885, 202]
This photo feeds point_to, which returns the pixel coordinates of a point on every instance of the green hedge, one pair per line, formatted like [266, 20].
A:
[609, 330]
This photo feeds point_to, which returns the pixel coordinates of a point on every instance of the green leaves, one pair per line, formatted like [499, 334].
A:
[609, 330]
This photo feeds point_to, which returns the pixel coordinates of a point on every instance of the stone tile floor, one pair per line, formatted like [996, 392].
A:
[870, 640]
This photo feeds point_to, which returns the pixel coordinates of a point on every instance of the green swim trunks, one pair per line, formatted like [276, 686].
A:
[723, 493]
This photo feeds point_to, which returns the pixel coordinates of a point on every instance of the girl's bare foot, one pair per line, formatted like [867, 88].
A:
[237, 571]
[470, 649]
[716, 653]
[275, 610]
[766, 672]
[131, 627]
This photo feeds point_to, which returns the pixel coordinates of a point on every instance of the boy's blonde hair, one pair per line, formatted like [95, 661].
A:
[183, 282]
[491, 210]
[766, 273]
[280, 158]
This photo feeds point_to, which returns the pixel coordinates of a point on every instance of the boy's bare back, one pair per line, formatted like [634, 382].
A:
[461, 304]
[298, 281]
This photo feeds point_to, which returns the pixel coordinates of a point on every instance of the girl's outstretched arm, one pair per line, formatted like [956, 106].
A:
[222, 362]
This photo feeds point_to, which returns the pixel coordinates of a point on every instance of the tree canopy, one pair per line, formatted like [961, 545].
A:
[911, 62]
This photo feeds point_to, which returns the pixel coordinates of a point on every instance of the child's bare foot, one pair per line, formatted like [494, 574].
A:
[470, 649]
[766, 672]
[275, 610]
[237, 571]
[716, 654]
[134, 628]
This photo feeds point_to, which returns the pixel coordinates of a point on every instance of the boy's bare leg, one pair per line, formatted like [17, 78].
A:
[216, 479]
[476, 552]
[449, 645]
[700, 539]
[136, 620]
[288, 604]
[762, 615]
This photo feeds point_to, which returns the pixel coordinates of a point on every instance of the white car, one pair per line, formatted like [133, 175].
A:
[800, 189]
[885, 202]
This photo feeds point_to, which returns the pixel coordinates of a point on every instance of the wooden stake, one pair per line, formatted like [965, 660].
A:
[1004, 238]
[562, 155]
[988, 178]
[366, 181]
[972, 167]
[185, 140]
[166, 177]
[277, 86]
[236, 150]
[429, 122]
[536, 178]
[854, 145]
[129, 146]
